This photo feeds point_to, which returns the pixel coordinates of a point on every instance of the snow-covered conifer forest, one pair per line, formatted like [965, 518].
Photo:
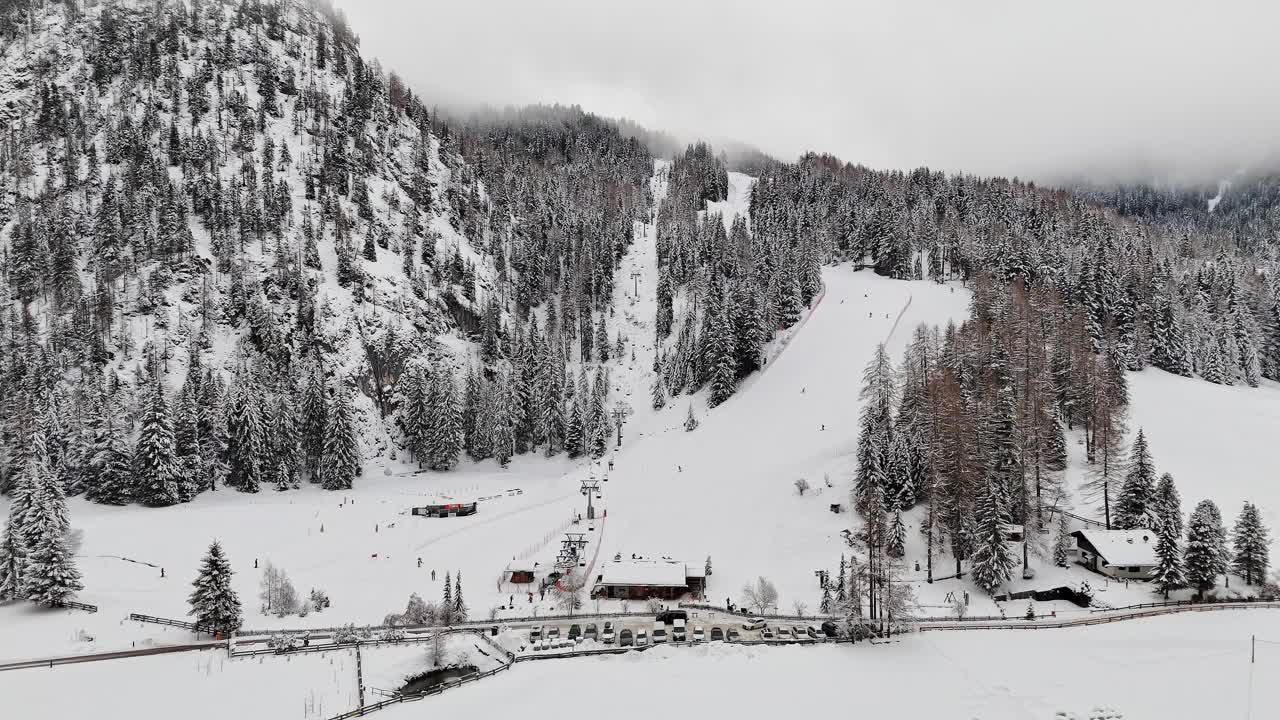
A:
[268, 311]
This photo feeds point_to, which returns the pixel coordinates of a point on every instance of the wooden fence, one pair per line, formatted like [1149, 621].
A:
[1114, 616]
[414, 697]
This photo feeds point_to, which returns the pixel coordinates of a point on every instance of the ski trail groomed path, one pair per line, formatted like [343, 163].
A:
[898, 319]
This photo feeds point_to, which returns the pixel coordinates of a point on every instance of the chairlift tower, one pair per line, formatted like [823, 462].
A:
[591, 488]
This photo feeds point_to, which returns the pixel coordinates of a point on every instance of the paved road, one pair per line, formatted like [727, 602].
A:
[117, 655]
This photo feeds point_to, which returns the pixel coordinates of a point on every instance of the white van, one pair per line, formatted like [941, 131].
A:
[678, 631]
[659, 633]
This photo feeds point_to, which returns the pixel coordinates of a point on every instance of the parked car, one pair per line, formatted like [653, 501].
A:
[553, 633]
[642, 638]
[678, 633]
[766, 633]
[784, 633]
[813, 633]
[799, 633]
[575, 631]
[754, 623]
[669, 616]
[607, 635]
[830, 629]
[734, 636]
[717, 634]
[535, 635]
[625, 638]
[659, 633]
[698, 635]
[590, 633]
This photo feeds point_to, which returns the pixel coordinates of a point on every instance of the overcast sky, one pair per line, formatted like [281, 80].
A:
[1026, 87]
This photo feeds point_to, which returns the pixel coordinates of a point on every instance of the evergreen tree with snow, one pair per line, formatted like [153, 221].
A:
[992, 562]
[341, 461]
[246, 438]
[49, 574]
[444, 438]
[574, 437]
[690, 420]
[1169, 573]
[1205, 555]
[503, 421]
[286, 442]
[110, 464]
[658, 396]
[12, 543]
[155, 461]
[1136, 506]
[314, 420]
[1063, 543]
[446, 601]
[459, 605]
[875, 435]
[1251, 540]
[718, 350]
[1168, 506]
[214, 603]
[897, 541]
[1168, 346]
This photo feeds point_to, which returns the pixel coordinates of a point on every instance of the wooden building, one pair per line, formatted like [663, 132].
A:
[1121, 554]
[446, 508]
[643, 578]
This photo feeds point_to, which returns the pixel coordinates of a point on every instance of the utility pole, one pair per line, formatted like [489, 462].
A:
[635, 281]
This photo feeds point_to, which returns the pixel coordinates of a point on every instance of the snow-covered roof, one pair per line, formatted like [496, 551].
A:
[653, 573]
[1122, 547]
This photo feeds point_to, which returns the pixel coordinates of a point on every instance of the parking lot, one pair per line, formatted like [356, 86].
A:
[564, 636]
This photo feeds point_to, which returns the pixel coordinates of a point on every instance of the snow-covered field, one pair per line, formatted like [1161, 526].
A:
[1216, 440]
[1186, 666]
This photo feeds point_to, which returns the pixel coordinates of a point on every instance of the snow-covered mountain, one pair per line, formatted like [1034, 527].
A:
[225, 231]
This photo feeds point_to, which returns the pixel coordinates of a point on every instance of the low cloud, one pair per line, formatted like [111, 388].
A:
[1140, 88]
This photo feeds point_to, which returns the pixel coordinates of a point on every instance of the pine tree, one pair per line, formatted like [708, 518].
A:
[286, 442]
[214, 603]
[897, 543]
[1135, 506]
[446, 602]
[12, 545]
[459, 605]
[444, 440]
[246, 438]
[992, 562]
[341, 461]
[315, 418]
[690, 420]
[1168, 506]
[1252, 558]
[875, 435]
[1205, 556]
[1062, 543]
[658, 396]
[718, 350]
[1169, 574]
[574, 438]
[503, 420]
[155, 461]
[49, 574]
